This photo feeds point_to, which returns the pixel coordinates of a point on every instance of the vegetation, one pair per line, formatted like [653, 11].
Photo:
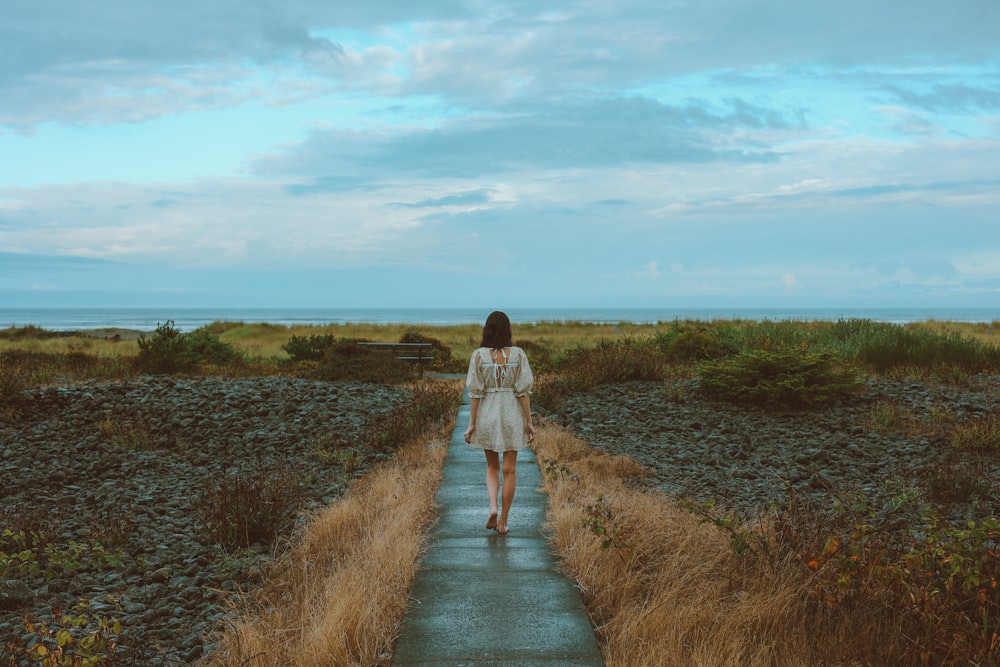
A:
[341, 588]
[170, 351]
[251, 505]
[845, 582]
[783, 379]
[848, 582]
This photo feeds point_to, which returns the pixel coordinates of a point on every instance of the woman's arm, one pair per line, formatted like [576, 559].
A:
[473, 413]
[529, 428]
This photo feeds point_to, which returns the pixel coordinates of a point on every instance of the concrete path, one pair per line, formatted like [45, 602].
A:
[480, 598]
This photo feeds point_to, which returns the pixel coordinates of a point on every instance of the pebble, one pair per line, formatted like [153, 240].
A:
[56, 461]
[710, 450]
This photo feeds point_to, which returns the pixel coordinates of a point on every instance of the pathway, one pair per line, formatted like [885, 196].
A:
[480, 598]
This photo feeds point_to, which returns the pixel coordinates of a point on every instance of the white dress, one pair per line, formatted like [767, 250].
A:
[498, 385]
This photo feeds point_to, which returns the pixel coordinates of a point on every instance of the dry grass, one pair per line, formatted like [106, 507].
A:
[664, 588]
[984, 332]
[265, 340]
[338, 595]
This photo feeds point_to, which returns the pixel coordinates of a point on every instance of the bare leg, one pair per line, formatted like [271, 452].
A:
[509, 484]
[492, 485]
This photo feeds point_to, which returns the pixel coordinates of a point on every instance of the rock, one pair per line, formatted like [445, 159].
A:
[139, 502]
[14, 594]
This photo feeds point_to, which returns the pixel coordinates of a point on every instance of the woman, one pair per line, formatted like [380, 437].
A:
[499, 384]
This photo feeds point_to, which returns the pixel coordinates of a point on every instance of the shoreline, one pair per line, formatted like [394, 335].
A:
[188, 319]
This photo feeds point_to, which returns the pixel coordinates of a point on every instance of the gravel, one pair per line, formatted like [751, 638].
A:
[748, 458]
[97, 460]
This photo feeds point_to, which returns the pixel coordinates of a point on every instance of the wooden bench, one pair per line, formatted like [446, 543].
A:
[421, 353]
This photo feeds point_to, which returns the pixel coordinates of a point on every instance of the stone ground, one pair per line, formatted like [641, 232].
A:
[65, 466]
[748, 458]
[60, 470]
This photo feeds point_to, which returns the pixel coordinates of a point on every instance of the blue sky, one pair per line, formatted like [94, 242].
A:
[775, 153]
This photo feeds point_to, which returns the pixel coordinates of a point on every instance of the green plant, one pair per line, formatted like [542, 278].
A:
[170, 351]
[75, 639]
[789, 378]
[250, 505]
[33, 555]
[894, 557]
[685, 345]
[980, 434]
[442, 353]
[345, 360]
[606, 526]
[308, 348]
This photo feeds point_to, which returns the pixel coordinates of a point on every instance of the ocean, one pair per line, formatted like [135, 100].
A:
[188, 319]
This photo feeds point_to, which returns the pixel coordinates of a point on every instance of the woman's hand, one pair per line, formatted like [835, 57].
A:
[468, 433]
[529, 431]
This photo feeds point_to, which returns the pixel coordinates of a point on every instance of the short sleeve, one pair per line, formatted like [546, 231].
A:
[473, 380]
[524, 381]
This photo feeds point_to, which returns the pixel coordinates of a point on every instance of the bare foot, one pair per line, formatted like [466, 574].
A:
[491, 523]
[502, 528]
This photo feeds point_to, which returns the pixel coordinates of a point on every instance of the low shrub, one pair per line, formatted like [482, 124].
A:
[170, 351]
[308, 348]
[788, 378]
[623, 360]
[345, 360]
[442, 353]
[882, 345]
[29, 332]
[76, 637]
[539, 355]
[251, 505]
[687, 345]
[429, 403]
[937, 581]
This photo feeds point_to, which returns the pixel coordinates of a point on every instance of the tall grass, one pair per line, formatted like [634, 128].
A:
[841, 585]
[337, 596]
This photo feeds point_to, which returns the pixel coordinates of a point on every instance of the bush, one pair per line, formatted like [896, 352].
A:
[442, 353]
[308, 348]
[883, 346]
[250, 506]
[622, 360]
[429, 403]
[782, 379]
[690, 345]
[170, 351]
[345, 360]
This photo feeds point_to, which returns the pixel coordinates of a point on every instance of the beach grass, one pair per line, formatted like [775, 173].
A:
[337, 596]
[667, 586]
[262, 342]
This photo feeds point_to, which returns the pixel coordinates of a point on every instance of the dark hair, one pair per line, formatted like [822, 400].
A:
[496, 331]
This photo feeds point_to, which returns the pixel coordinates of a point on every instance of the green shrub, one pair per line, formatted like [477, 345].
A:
[781, 379]
[170, 351]
[882, 346]
[308, 348]
[442, 353]
[27, 333]
[347, 361]
[539, 355]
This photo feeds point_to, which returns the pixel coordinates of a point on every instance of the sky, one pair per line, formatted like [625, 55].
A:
[474, 153]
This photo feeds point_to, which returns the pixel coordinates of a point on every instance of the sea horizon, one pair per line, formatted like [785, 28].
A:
[189, 319]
